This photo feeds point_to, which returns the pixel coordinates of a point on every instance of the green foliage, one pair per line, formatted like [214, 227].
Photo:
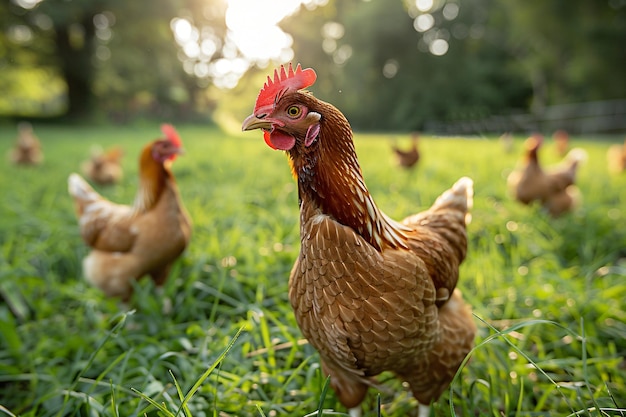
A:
[220, 339]
[117, 59]
[472, 80]
[35, 91]
[566, 65]
[502, 56]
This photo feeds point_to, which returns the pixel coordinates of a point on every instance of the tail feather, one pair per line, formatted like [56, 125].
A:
[564, 174]
[82, 192]
[460, 197]
[576, 155]
[575, 158]
[452, 206]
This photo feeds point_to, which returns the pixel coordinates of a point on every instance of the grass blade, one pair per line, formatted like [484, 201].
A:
[208, 372]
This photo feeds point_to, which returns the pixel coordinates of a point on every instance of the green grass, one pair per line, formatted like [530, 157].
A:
[549, 295]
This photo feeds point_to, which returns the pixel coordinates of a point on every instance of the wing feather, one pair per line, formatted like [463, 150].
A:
[361, 309]
[103, 224]
[108, 227]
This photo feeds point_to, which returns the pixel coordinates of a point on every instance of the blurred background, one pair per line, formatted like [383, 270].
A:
[443, 66]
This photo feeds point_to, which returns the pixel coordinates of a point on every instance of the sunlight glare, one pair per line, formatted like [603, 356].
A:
[20, 33]
[424, 22]
[390, 69]
[253, 38]
[424, 5]
[27, 4]
[439, 47]
[333, 30]
[183, 31]
[450, 11]
[253, 26]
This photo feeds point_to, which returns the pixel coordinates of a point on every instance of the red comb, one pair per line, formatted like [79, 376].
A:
[284, 81]
[171, 134]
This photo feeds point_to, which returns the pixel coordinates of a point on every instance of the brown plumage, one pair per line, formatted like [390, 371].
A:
[146, 238]
[554, 188]
[407, 158]
[27, 150]
[370, 294]
[104, 168]
[616, 158]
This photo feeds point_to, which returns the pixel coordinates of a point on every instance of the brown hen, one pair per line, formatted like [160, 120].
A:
[407, 158]
[27, 150]
[370, 294]
[561, 140]
[104, 168]
[146, 238]
[553, 188]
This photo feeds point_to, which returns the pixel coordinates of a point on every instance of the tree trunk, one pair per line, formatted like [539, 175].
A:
[75, 45]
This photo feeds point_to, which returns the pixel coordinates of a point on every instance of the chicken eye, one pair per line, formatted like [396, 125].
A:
[294, 111]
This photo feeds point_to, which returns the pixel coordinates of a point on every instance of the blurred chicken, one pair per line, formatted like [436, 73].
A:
[27, 150]
[553, 188]
[146, 238]
[369, 293]
[410, 157]
[561, 140]
[104, 168]
[616, 158]
[564, 201]
[507, 142]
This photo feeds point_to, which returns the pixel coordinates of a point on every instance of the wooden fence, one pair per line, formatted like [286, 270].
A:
[580, 118]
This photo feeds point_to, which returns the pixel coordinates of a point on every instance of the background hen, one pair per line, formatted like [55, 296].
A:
[370, 294]
[104, 168]
[561, 141]
[407, 158]
[555, 187]
[129, 242]
[27, 149]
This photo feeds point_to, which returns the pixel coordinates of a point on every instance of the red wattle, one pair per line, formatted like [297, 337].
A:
[277, 139]
[266, 136]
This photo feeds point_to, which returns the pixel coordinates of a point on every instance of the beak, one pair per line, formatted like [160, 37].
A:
[174, 154]
[253, 122]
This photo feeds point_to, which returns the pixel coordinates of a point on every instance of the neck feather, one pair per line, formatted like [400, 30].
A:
[330, 178]
[153, 177]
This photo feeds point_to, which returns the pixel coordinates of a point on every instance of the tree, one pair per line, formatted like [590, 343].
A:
[396, 66]
[387, 64]
[384, 74]
[570, 50]
[119, 54]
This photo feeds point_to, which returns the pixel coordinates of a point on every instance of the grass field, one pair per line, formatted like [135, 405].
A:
[549, 295]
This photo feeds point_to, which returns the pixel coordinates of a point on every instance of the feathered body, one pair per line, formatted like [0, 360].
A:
[27, 150]
[146, 238]
[104, 168]
[553, 188]
[408, 158]
[370, 294]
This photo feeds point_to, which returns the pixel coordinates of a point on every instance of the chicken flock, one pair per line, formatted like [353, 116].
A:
[554, 188]
[369, 293]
